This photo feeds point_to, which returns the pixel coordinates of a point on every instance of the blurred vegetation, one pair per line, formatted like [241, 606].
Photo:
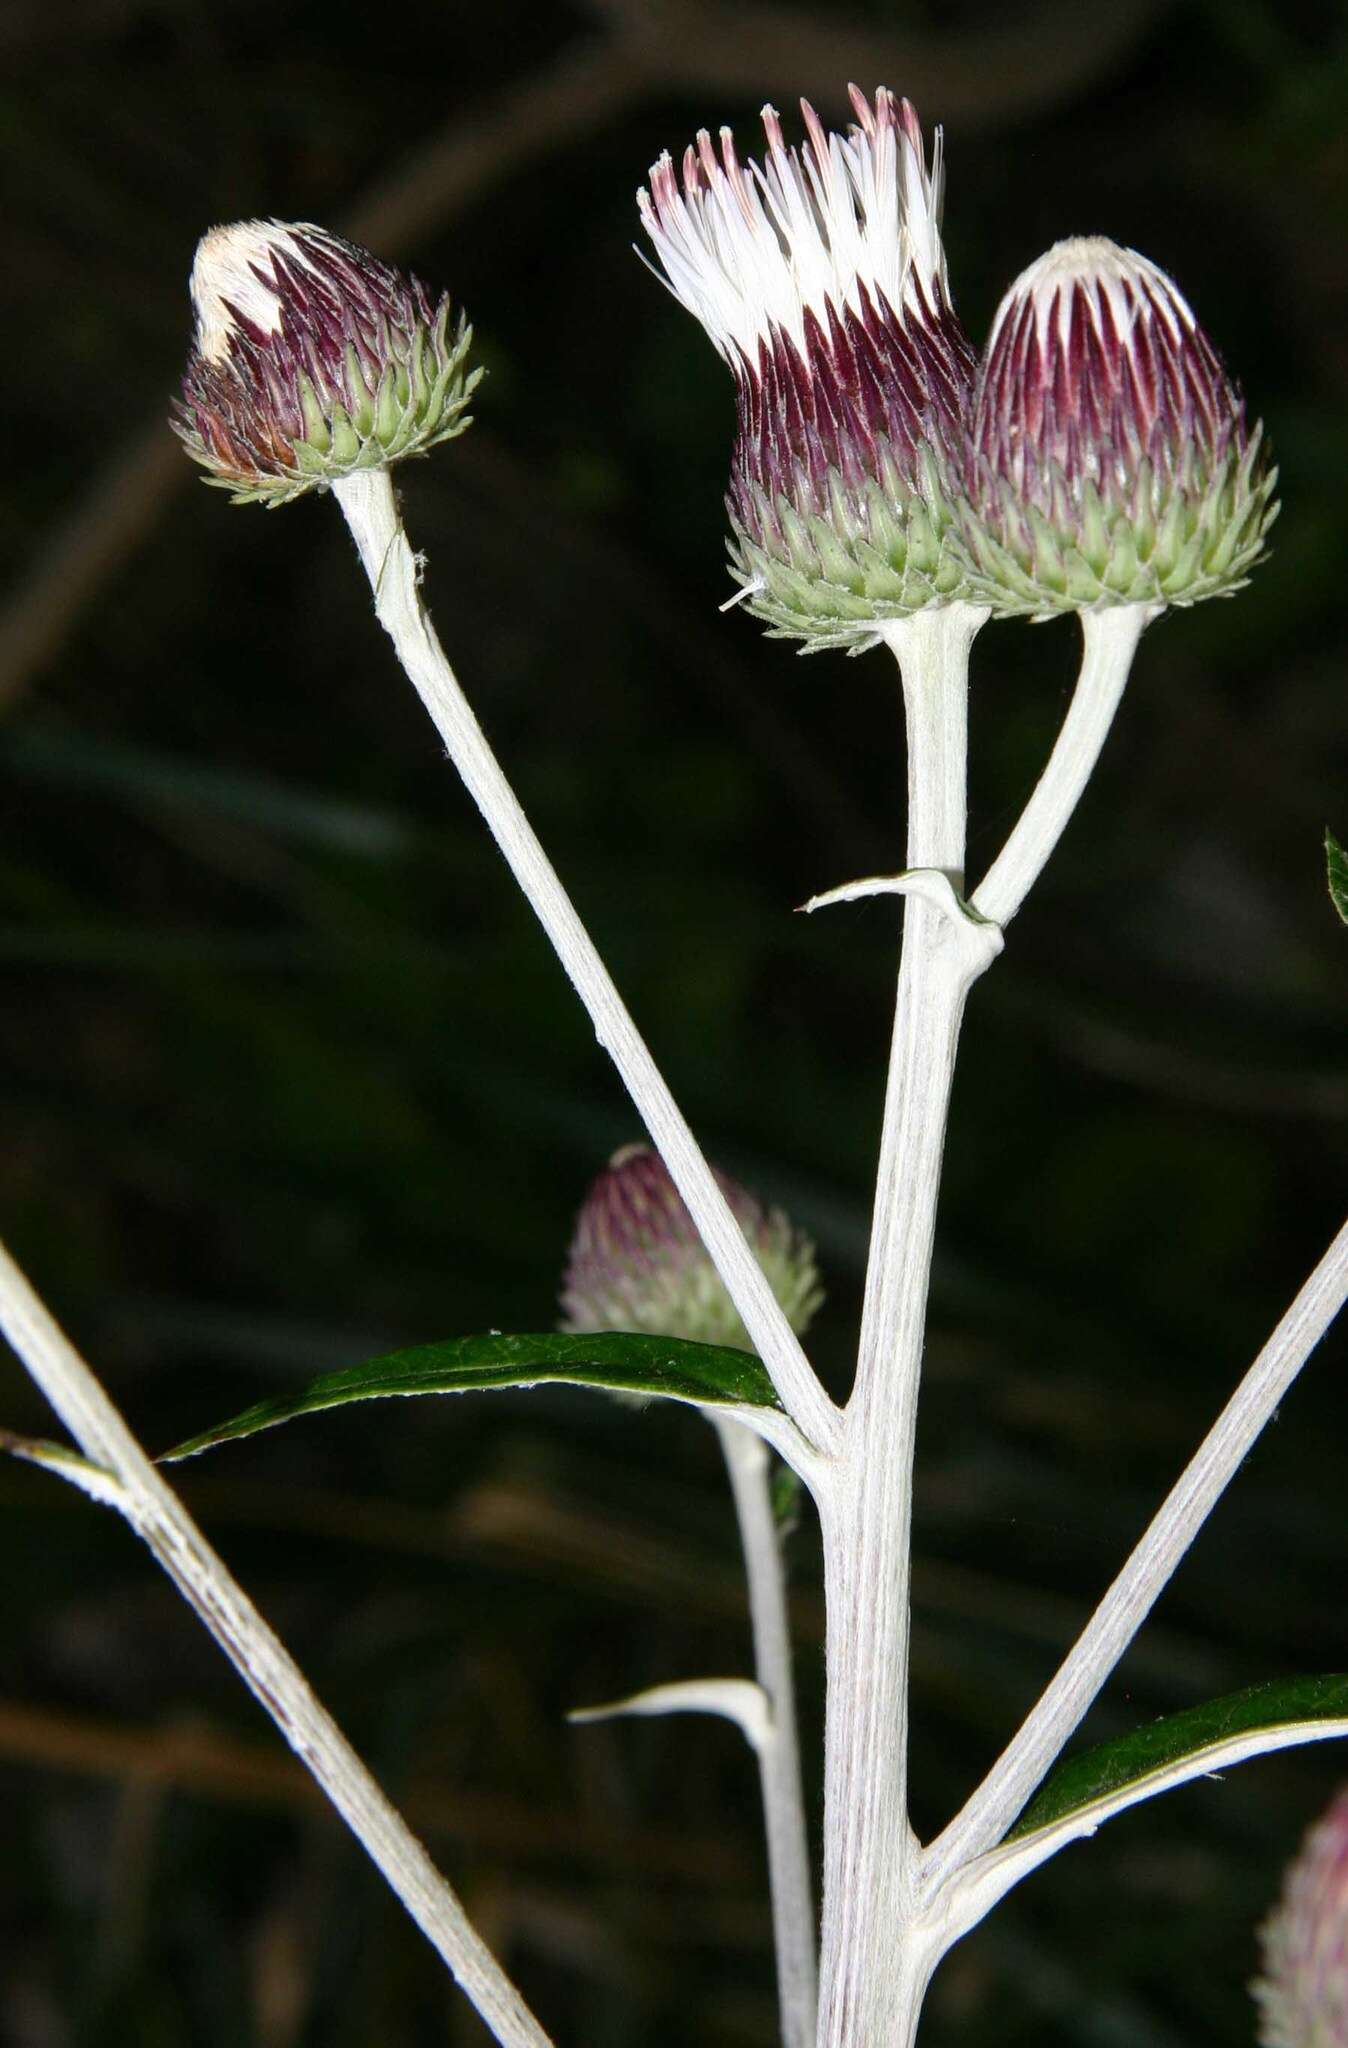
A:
[289, 1075]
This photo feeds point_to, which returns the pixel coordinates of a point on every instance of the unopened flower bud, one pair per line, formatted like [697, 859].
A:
[1110, 460]
[1303, 1993]
[312, 359]
[637, 1263]
[820, 278]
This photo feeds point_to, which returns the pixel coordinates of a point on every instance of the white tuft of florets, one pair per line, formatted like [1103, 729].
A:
[234, 274]
[1091, 269]
[750, 249]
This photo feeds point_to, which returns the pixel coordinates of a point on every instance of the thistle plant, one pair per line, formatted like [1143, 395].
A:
[885, 490]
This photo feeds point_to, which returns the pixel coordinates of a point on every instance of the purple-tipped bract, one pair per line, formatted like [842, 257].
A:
[1110, 459]
[313, 359]
[1302, 1994]
[637, 1263]
[820, 277]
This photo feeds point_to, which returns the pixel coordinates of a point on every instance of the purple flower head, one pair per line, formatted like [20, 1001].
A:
[1110, 460]
[1303, 1993]
[820, 277]
[312, 359]
[637, 1263]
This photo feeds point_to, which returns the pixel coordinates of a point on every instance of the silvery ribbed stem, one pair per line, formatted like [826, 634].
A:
[793, 1919]
[371, 512]
[871, 1982]
[1109, 642]
[154, 1511]
[997, 1801]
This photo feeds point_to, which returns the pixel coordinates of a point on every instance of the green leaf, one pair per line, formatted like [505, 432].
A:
[1112, 1769]
[668, 1367]
[96, 1480]
[1337, 862]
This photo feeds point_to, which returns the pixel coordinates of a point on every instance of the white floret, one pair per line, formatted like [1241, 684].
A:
[225, 276]
[749, 248]
[1130, 284]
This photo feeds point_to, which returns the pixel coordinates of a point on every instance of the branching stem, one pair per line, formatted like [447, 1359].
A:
[879, 1944]
[871, 1985]
[889, 1910]
[990, 1811]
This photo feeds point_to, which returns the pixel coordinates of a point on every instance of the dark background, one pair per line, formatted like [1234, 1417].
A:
[289, 1075]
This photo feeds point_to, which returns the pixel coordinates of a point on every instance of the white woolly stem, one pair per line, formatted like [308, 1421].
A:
[989, 1812]
[1110, 638]
[262, 1661]
[779, 1754]
[872, 1975]
[368, 503]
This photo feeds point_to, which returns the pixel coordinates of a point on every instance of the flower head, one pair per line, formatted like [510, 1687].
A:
[312, 359]
[1303, 1993]
[821, 279]
[637, 1263]
[1110, 460]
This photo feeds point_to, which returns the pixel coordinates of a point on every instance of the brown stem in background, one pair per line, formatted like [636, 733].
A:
[973, 77]
[194, 1757]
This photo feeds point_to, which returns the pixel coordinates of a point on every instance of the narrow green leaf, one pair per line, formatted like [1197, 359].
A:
[1337, 862]
[1103, 1773]
[95, 1480]
[666, 1367]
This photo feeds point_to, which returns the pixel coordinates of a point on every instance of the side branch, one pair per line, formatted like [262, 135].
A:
[991, 1809]
[262, 1661]
[367, 501]
[779, 1757]
[1110, 640]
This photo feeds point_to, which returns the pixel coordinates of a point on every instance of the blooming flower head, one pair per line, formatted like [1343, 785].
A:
[1110, 460]
[1303, 1993]
[820, 277]
[312, 359]
[637, 1263]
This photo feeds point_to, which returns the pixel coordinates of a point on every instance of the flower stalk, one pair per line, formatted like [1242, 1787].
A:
[368, 503]
[789, 1884]
[636, 1263]
[1110, 636]
[870, 1849]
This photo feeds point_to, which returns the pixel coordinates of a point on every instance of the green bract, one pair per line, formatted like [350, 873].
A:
[829, 577]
